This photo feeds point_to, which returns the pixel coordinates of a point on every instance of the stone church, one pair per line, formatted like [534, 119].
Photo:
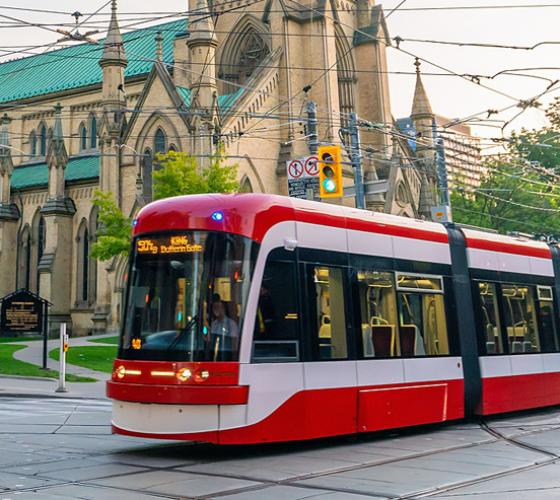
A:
[236, 75]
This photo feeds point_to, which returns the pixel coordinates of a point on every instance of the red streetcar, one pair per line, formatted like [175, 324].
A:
[256, 318]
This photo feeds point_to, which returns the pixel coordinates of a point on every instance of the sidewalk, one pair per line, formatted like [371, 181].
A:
[46, 387]
[33, 354]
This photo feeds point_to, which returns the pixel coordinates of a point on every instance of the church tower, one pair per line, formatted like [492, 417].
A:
[202, 43]
[423, 118]
[113, 63]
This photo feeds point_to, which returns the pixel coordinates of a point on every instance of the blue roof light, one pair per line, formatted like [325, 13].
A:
[134, 222]
[218, 216]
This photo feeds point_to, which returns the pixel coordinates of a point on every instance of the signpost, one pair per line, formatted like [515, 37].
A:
[303, 177]
[24, 312]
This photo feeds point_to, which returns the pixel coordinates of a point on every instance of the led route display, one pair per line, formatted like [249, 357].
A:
[167, 245]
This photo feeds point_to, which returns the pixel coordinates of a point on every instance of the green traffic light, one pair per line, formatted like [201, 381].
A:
[329, 185]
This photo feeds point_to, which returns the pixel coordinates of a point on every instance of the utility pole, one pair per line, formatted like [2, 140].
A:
[356, 159]
[313, 140]
[442, 173]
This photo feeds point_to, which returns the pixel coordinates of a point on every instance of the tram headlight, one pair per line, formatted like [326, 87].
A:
[184, 374]
[201, 375]
[120, 372]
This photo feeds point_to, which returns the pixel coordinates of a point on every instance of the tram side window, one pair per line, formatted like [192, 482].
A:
[378, 312]
[327, 302]
[490, 317]
[546, 319]
[276, 336]
[520, 318]
[422, 322]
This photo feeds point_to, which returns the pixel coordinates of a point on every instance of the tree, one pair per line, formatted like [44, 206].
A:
[113, 237]
[514, 195]
[179, 174]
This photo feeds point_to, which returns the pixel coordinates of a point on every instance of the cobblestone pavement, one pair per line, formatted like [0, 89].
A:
[62, 448]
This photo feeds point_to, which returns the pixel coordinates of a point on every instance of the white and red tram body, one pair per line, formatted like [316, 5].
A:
[345, 321]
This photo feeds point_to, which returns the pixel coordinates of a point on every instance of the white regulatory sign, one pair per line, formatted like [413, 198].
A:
[303, 177]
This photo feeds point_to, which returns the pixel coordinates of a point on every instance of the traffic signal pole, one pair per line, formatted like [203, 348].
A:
[312, 127]
[442, 173]
[356, 159]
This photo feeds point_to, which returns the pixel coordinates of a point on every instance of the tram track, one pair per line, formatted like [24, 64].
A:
[496, 435]
[493, 435]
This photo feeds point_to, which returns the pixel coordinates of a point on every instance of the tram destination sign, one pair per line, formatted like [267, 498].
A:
[162, 245]
[303, 177]
[21, 312]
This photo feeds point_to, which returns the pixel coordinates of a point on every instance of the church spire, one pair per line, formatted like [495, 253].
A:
[113, 49]
[421, 107]
[201, 25]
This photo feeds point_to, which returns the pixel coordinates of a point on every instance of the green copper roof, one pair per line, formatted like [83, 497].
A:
[78, 65]
[224, 101]
[79, 168]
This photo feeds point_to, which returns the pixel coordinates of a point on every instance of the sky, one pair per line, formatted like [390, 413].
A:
[451, 96]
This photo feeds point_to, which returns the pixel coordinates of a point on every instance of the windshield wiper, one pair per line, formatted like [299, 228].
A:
[184, 331]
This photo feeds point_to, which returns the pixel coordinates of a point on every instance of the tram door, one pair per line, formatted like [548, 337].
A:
[330, 375]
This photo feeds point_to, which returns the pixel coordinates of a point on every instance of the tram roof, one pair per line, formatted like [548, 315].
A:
[253, 214]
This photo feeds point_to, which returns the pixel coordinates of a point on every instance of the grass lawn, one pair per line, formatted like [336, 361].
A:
[107, 340]
[11, 366]
[98, 358]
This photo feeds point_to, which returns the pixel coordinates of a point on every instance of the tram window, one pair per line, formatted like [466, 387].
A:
[490, 318]
[276, 323]
[378, 312]
[546, 318]
[520, 318]
[422, 322]
[329, 316]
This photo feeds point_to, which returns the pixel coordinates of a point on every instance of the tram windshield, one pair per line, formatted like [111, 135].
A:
[186, 296]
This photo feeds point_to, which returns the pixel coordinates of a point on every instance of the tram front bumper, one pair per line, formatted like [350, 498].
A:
[178, 394]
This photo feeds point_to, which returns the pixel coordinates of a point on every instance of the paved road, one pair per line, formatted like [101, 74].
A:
[62, 448]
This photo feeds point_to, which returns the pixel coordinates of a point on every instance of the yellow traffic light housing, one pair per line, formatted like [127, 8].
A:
[330, 172]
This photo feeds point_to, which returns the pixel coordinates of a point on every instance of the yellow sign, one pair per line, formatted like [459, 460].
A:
[167, 245]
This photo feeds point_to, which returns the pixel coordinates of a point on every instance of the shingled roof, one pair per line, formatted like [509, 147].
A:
[79, 168]
[78, 65]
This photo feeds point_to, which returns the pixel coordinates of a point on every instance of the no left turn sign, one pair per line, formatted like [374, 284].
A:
[311, 167]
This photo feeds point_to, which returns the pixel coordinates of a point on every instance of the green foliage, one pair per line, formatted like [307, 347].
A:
[179, 174]
[11, 366]
[97, 358]
[519, 191]
[113, 238]
[513, 196]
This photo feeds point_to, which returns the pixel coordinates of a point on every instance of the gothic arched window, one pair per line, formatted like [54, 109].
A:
[146, 170]
[93, 227]
[50, 135]
[32, 144]
[40, 237]
[92, 131]
[82, 269]
[159, 141]
[346, 77]
[246, 186]
[244, 51]
[43, 140]
[24, 259]
[83, 136]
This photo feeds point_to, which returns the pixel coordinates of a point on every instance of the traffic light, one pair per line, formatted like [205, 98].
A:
[330, 172]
